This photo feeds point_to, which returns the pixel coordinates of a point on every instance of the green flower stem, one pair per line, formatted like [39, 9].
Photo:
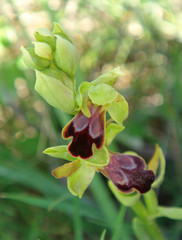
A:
[77, 221]
[117, 230]
[151, 226]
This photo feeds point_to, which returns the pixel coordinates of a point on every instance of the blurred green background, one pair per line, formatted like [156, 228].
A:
[144, 37]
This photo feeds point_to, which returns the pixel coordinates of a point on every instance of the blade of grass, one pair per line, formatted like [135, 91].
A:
[119, 221]
[101, 195]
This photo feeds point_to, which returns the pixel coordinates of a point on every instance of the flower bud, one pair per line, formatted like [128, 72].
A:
[43, 50]
[32, 60]
[44, 35]
[66, 56]
[58, 30]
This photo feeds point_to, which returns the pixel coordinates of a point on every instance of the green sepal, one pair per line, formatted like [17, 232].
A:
[80, 179]
[66, 170]
[119, 109]
[158, 159]
[44, 35]
[66, 56]
[58, 30]
[127, 200]
[102, 94]
[43, 50]
[109, 77]
[102, 237]
[112, 130]
[174, 213]
[32, 60]
[140, 229]
[60, 152]
[81, 97]
[59, 75]
[55, 92]
[100, 157]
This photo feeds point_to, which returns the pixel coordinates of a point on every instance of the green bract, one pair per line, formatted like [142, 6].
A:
[55, 92]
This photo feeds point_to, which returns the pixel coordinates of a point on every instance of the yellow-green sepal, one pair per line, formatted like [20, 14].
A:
[80, 179]
[112, 129]
[102, 94]
[109, 77]
[60, 152]
[119, 109]
[58, 30]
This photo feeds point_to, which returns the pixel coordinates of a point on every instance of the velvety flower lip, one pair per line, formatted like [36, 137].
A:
[86, 131]
[128, 172]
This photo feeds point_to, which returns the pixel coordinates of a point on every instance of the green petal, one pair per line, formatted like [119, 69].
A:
[109, 77]
[112, 130]
[80, 179]
[55, 92]
[100, 157]
[58, 30]
[81, 98]
[66, 170]
[154, 161]
[59, 152]
[44, 35]
[66, 56]
[43, 50]
[119, 109]
[102, 94]
[126, 199]
[158, 181]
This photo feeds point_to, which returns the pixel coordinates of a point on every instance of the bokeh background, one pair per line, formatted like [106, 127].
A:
[142, 36]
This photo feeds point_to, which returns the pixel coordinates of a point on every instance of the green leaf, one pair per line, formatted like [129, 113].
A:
[60, 152]
[119, 109]
[100, 157]
[66, 170]
[170, 212]
[103, 235]
[66, 56]
[102, 94]
[55, 92]
[42, 50]
[109, 77]
[112, 130]
[44, 35]
[58, 30]
[140, 230]
[158, 181]
[80, 179]
[33, 61]
[127, 200]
